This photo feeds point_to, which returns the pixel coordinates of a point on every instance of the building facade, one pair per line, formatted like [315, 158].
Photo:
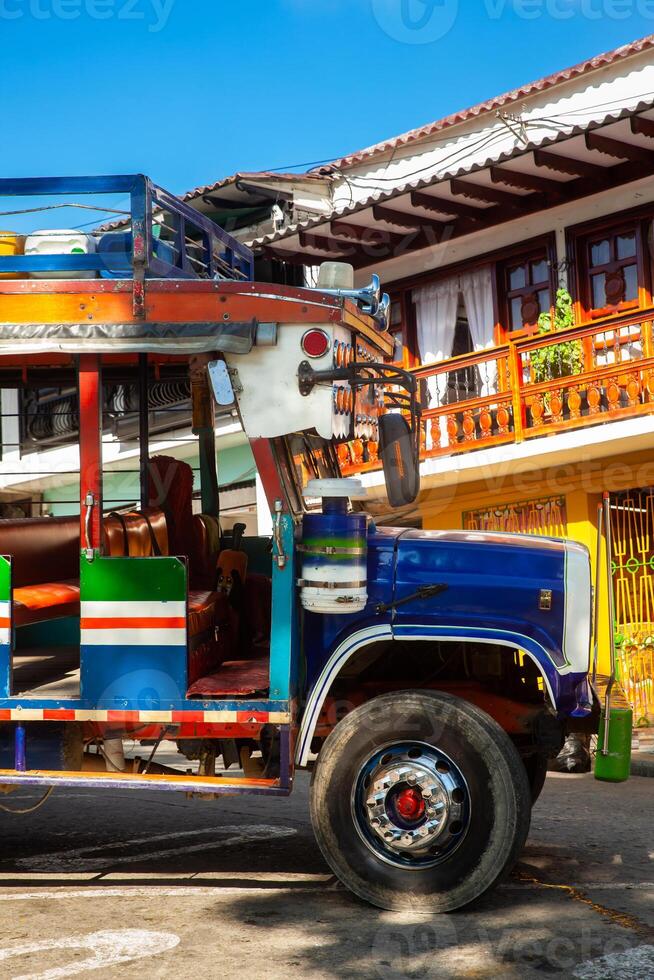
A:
[517, 241]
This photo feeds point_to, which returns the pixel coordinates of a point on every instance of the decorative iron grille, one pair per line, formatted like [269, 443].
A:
[545, 516]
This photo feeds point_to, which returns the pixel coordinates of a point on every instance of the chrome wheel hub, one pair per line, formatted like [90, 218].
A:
[410, 804]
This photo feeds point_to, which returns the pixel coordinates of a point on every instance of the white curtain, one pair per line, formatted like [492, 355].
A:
[436, 307]
[477, 289]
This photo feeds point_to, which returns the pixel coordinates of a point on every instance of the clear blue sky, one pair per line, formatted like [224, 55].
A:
[188, 91]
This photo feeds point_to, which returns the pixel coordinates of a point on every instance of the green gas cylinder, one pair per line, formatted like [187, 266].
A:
[616, 765]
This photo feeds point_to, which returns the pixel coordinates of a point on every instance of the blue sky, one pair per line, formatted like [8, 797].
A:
[191, 90]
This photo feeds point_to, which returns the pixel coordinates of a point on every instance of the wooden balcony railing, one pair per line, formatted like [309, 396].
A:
[586, 375]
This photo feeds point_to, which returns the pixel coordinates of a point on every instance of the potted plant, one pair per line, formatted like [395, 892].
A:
[557, 360]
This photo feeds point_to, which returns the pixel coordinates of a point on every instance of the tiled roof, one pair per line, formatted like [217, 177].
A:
[332, 234]
[497, 102]
[253, 175]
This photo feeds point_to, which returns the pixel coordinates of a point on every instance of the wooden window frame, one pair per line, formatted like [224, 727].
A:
[578, 238]
[544, 251]
[408, 329]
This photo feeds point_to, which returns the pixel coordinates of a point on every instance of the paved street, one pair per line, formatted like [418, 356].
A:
[163, 887]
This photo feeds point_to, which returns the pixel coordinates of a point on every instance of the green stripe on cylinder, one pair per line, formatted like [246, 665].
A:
[136, 579]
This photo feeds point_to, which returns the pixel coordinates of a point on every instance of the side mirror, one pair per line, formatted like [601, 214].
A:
[398, 452]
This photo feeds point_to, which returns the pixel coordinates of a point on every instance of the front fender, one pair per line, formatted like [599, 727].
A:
[560, 687]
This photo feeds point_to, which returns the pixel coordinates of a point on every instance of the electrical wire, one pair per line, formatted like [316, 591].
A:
[71, 204]
[30, 809]
[435, 141]
[465, 152]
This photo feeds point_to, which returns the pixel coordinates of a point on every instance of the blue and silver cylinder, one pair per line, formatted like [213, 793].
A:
[334, 550]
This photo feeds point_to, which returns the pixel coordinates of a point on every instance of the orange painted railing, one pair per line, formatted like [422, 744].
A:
[503, 394]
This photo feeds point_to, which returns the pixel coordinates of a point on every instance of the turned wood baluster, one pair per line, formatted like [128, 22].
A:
[613, 394]
[633, 390]
[556, 405]
[503, 418]
[486, 423]
[452, 430]
[435, 431]
[468, 426]
[574, 403]
[537, 408]
[594, 398]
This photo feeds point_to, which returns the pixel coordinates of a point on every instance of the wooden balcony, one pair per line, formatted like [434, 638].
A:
[537, 386]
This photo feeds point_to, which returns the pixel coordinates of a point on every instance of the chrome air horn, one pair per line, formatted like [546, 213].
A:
[337, 279]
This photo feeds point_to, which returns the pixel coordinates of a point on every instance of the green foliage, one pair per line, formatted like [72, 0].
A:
[558, 360]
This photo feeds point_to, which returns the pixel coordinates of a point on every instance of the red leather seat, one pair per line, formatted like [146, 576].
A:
[236, 678]
[44, 567]
[201, 611]
[50, 600]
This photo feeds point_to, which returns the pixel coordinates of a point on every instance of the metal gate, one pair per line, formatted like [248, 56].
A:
[632, 524]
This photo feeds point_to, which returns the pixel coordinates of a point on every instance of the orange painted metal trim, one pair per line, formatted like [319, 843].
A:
[172, 622]
[173, 301]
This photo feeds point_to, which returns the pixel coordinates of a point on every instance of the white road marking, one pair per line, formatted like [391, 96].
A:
[108, 947]
[632, 964]
[76, 859]
[139, 891]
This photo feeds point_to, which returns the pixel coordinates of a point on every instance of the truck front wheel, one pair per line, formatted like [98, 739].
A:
[420, 801]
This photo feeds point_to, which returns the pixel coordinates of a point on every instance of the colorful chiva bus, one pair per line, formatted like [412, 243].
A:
[426, 678]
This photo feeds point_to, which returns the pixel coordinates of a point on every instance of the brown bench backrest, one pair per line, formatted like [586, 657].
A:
[47, 549]
[43, 549]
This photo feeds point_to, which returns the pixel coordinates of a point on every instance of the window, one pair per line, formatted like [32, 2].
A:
[612, 269]
[403, 330]
[525, 282]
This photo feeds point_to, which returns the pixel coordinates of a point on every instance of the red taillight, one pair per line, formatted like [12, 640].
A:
[315, 343]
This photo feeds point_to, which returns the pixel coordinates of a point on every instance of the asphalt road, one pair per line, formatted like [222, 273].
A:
[144, 886]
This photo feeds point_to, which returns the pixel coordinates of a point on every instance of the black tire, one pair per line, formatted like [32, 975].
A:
[498, 807]
[536, 766]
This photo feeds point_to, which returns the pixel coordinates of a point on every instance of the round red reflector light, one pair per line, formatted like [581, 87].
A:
[315, 343]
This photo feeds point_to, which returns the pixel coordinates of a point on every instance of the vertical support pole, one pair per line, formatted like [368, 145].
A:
[203, 427]
[515, 381]
[609, 575]
[141, 201]
[598, 579]
[144, 429]
[90, 451]
[20, 754]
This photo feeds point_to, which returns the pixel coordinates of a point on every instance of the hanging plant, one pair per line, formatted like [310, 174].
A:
[557, 360]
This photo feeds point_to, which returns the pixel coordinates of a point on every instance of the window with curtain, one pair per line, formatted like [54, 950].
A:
[448, 311]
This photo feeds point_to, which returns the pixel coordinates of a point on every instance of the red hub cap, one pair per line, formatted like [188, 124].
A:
[410, 804]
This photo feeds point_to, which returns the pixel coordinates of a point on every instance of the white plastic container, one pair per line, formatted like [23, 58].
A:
[60, 241]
